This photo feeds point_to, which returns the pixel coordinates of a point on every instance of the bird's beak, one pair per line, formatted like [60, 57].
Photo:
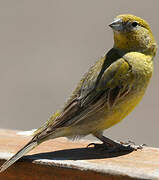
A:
[116, 25]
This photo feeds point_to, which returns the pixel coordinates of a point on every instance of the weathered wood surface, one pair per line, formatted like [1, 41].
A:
[66, 160]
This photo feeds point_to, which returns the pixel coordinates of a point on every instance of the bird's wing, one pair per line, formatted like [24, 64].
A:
[104, 83]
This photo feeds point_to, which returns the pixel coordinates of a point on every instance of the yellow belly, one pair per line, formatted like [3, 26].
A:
[119, 112]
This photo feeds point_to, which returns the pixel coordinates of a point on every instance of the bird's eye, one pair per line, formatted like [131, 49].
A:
[134, 24]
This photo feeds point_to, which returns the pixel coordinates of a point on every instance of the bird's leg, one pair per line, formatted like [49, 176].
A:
[107, 143]
[112, 146]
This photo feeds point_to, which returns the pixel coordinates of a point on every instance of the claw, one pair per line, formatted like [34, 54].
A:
[98, 146]
[123, 147]
[140, 146]
[127, 143]
[131, 145]
[91, 144]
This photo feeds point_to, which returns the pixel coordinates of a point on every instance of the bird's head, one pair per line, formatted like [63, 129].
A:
[131, 33]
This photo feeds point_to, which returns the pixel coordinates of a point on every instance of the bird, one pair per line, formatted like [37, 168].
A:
[108, 92]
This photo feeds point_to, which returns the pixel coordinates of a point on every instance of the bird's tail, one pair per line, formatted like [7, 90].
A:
[28, 147]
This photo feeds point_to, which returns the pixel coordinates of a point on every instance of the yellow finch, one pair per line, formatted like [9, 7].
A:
[107, 92]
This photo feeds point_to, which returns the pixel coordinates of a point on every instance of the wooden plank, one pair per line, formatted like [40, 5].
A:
[63, 159]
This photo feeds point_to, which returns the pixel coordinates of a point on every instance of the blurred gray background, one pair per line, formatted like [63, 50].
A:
[45, 48]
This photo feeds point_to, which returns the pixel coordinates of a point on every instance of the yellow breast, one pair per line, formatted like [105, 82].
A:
[119, 112]
[142, 67]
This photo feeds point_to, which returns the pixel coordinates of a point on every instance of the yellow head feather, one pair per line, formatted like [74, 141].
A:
[138, 38]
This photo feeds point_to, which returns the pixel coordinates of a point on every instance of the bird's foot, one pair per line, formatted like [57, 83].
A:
[132, 145]
[118, 147]
[125, 147]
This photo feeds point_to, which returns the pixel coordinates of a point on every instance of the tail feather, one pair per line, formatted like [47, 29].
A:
[28, 147]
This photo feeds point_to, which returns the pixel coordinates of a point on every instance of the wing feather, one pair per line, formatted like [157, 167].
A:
[104, 83]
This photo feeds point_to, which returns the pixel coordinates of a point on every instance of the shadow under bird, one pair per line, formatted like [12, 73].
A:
[107, 93]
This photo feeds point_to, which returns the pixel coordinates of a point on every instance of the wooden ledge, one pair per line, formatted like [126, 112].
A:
[63, 159]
